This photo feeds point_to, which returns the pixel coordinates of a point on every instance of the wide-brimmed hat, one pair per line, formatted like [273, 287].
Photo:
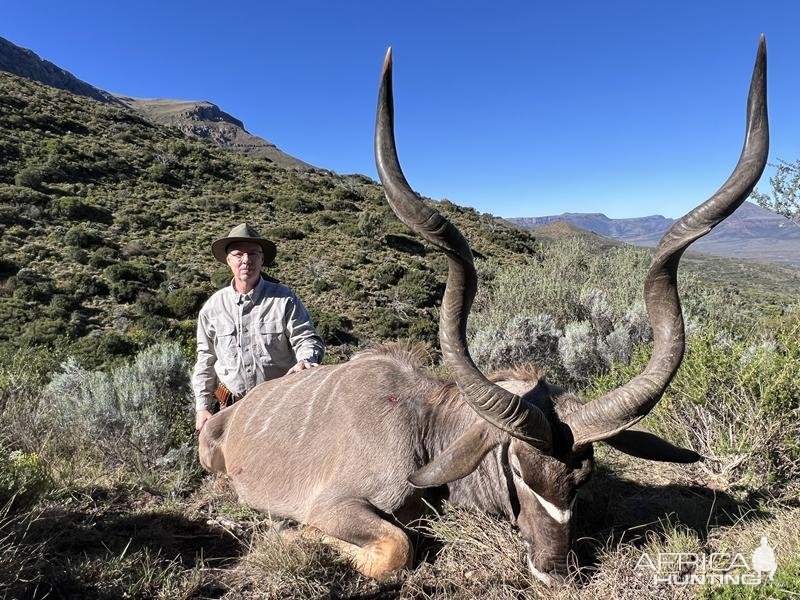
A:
[243, 233]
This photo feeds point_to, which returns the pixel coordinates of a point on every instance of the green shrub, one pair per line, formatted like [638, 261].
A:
[320, 285]
[133, 271]
[102, 257]
[333, 328]
[350, 288]
[284, 232]
[419, 288]
[23, 478]
[295, 204]
[341, 206]
[11, 215]
[387, 324]
[8, 268]
[221, 277]
[125, 291]
[184, 303]
[159, 173]
[388, 273]
[326, 219]
[515, 240]
[22, 196]
[23, 373]
[80, 236]
[105, 348]
[32, 286]
[30, 177]
[46, 331]
[85, 286]
[372, 225]
[424, 329]
[346, 195]
[77, 209]
[137, 414]
[76, 255]
[34, 252]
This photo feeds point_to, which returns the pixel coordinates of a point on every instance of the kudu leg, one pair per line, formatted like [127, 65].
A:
[376, 547]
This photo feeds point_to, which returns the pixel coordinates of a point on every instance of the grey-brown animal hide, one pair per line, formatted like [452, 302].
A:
[355, 430]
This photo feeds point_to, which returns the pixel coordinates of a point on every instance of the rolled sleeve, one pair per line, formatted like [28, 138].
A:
[204, 378]
[303, 338]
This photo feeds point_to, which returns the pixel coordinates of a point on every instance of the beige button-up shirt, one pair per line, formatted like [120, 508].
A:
[245, 339]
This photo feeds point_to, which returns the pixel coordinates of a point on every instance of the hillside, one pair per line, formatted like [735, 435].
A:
[203, 120]
[559, 230]
[751, 285]
[751, 232]
[106, 221]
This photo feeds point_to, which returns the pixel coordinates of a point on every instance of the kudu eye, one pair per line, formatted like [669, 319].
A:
[514, 464]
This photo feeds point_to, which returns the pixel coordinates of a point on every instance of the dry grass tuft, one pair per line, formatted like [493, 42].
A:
[280, 568]
[478, 556]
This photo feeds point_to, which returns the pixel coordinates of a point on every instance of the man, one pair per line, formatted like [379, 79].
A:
[250, 331]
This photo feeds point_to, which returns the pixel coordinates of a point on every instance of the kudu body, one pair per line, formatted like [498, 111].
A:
[352, 449]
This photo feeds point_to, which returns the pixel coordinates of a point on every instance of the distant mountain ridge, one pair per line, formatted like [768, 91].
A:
[200, 119]
[751, 232]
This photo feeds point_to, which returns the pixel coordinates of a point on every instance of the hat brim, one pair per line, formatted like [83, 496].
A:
[219, 248]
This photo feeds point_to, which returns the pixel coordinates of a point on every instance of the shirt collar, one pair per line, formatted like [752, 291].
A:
[254, 294]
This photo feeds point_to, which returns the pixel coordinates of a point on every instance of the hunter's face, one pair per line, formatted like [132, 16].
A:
[245, 260]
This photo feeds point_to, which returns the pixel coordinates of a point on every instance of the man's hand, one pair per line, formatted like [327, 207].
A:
[201, 418]
[301, 365]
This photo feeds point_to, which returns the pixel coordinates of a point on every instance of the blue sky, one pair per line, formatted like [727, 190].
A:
[515, 108]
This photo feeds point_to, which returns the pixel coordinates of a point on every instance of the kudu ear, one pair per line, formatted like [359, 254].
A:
[643, 444]
[459, 459]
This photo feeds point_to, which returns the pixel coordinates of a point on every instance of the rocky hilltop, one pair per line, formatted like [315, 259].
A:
[207, 121]
[200, 119]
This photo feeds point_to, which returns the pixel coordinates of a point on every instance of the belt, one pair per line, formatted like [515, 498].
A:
[224, 396]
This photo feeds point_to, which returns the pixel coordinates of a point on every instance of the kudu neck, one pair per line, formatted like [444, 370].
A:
[486, 488]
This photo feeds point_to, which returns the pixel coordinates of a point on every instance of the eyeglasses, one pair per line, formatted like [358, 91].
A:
[238, 256]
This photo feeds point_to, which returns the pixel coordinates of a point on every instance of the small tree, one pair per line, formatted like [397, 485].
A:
[784, 198]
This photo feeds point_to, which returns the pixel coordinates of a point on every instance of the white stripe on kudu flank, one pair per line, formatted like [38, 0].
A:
[559, 515]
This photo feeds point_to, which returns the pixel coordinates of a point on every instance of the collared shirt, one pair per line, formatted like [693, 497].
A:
[245, 339]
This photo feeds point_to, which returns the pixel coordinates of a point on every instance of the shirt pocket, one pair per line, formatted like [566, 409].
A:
[270, 342]
[225, 342]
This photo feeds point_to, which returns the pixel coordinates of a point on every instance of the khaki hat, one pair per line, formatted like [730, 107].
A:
[243, 233]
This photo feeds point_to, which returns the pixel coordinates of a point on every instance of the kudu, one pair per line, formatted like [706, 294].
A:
[352, 449]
